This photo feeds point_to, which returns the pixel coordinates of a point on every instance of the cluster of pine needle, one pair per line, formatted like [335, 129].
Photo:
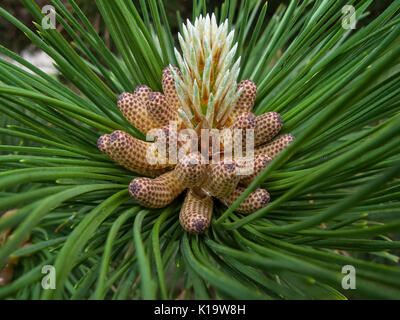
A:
[335, 190]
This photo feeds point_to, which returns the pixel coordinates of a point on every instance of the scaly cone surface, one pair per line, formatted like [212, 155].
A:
[201, 93]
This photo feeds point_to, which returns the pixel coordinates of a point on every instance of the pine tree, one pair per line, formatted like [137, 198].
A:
[335, 190]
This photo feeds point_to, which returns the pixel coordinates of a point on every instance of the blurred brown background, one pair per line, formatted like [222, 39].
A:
[15, 40]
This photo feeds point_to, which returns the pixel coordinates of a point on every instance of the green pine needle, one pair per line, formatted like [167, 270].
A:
[335, 191]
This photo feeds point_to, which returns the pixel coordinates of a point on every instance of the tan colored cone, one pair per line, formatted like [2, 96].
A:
[267, 126]
[245, 121]
[159, 110]
[276, 146]
[196, 213]
[255, 200]
[171, 135]
[158, 192]
[191, 170]
[132, 153]
[258, 164]
[168, 85]
[102, 143]
[133, 107]
[162, 136]
[247, 98]
[221, 179]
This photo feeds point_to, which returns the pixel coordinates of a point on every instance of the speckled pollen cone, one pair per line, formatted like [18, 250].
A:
[255, 201]
[196, 212]
[168, 85]
[276, 146]
[131, 153]
[159, 111]
[191, 170]
[222, 178]
[267, 126]
[246, 100]
[260, 162]
[133, 107]
[245, 121]
[158, 192]
[203, 92]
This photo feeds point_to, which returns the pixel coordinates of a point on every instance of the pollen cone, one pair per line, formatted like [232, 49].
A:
[254, 201]
[196, 212]
[156, 193]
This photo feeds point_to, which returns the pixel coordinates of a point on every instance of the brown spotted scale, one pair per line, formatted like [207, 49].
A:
[201, 92]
